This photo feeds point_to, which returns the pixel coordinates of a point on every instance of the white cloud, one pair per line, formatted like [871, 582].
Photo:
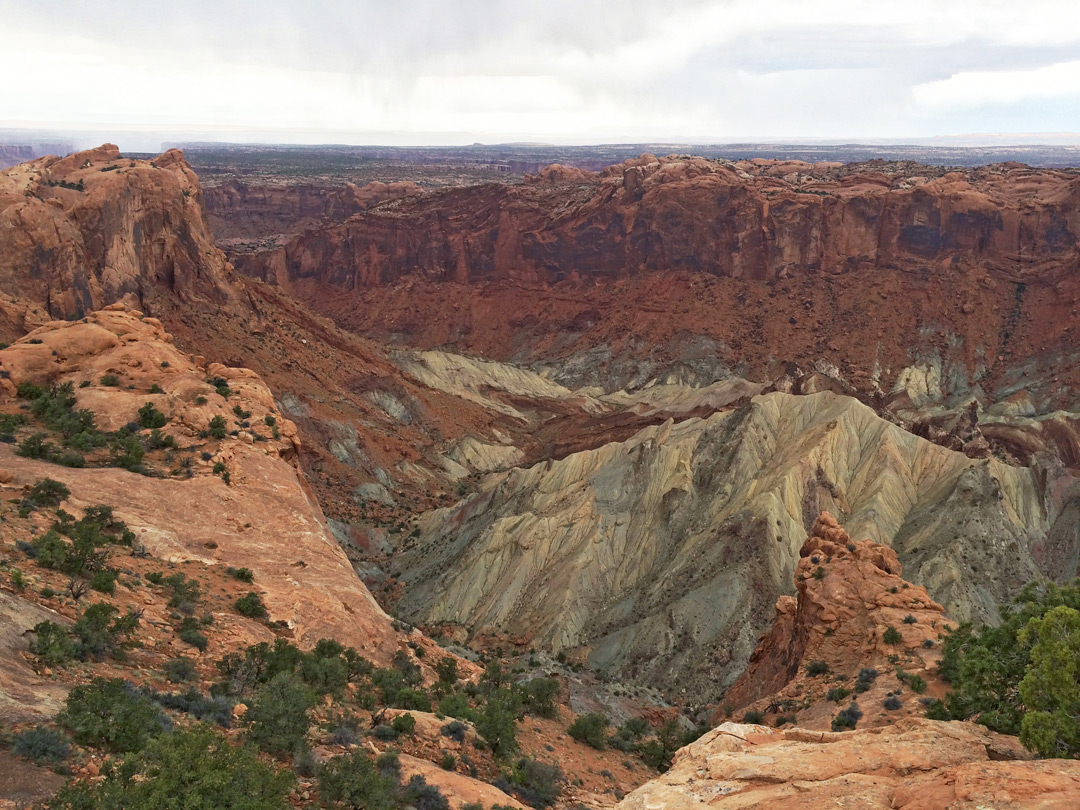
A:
[995, 87]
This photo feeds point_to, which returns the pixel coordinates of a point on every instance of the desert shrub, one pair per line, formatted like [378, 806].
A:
[216, 709]
[590, 729]
[242, 574]
[52, 644]
[449, 761]
[184, 594]
[35, 446]
[537, 784]
[865, 678]
[251, 605]
[404, 723]
[909, 619]
[47, 492]
[384, 732]
[179, 670]
[936, 710]
[42, 745]
[496, 725]
[455, 730]
[29, 390]
[753, 717]
[847, 718]
[634, 728]
[457, 705]
[447, 670]
[100, 630]
[150, 417]
[158, 440]
[110, 380]
[837, 693]
[111, 714]
[354, 781]
[892, 703]
[815, 668]
[916, 683]
[196, 769]
[280, 714]
[783, 719]
[892, 635]
[127, 452]
[217, 427]
[104, 581]
[189, 632]
[540, 694]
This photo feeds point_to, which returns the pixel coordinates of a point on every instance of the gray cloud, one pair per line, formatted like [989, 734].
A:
[584, 70]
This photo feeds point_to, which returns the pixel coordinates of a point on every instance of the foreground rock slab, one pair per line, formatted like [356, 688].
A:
[913, 765]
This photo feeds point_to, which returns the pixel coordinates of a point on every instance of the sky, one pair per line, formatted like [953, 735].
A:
[560, 71]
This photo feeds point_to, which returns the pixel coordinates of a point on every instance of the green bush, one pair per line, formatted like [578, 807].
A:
[987, 668]
[354, 781]
[496, 725]
[47, 492]
[251, 605]
[540, 694]
[892, 635]
[217, 427]
[892, 703]
[179, 670]
[404, 723]
[866, 677]
[104, 581]
[189, 633]
[52, 644]
[1050, 687]
[100, 630]
[110, 380]
[242, 574]
[111, 714]
[280, 714]
[753, 717]
[127, 452]
[35, 446]
[847, 718]
[151, 417]
[193, 769]
[537, 784]
[837, 693]
[815, 668]
[590, 729]
[42, 745]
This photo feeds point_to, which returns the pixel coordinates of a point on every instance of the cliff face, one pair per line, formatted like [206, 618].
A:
[80, 232]
[239, 211]
[744, 220]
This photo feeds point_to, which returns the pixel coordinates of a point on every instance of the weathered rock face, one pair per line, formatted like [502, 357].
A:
[848, 595]
[660, 557]
[739, 220]
[913, 765]
[80, 232]
[239, 211]
[264, 519]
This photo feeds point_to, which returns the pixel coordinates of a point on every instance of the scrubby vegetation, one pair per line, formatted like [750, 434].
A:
[1023, 676]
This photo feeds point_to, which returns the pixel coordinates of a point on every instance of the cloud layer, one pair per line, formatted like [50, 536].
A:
[453, 71]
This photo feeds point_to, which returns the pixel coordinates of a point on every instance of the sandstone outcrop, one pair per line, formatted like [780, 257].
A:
[660, 557]
[848, 595]
[264, 518]
[87, 230]
[913, 765]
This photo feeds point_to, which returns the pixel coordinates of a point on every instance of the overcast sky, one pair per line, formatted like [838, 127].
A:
[564, 71]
